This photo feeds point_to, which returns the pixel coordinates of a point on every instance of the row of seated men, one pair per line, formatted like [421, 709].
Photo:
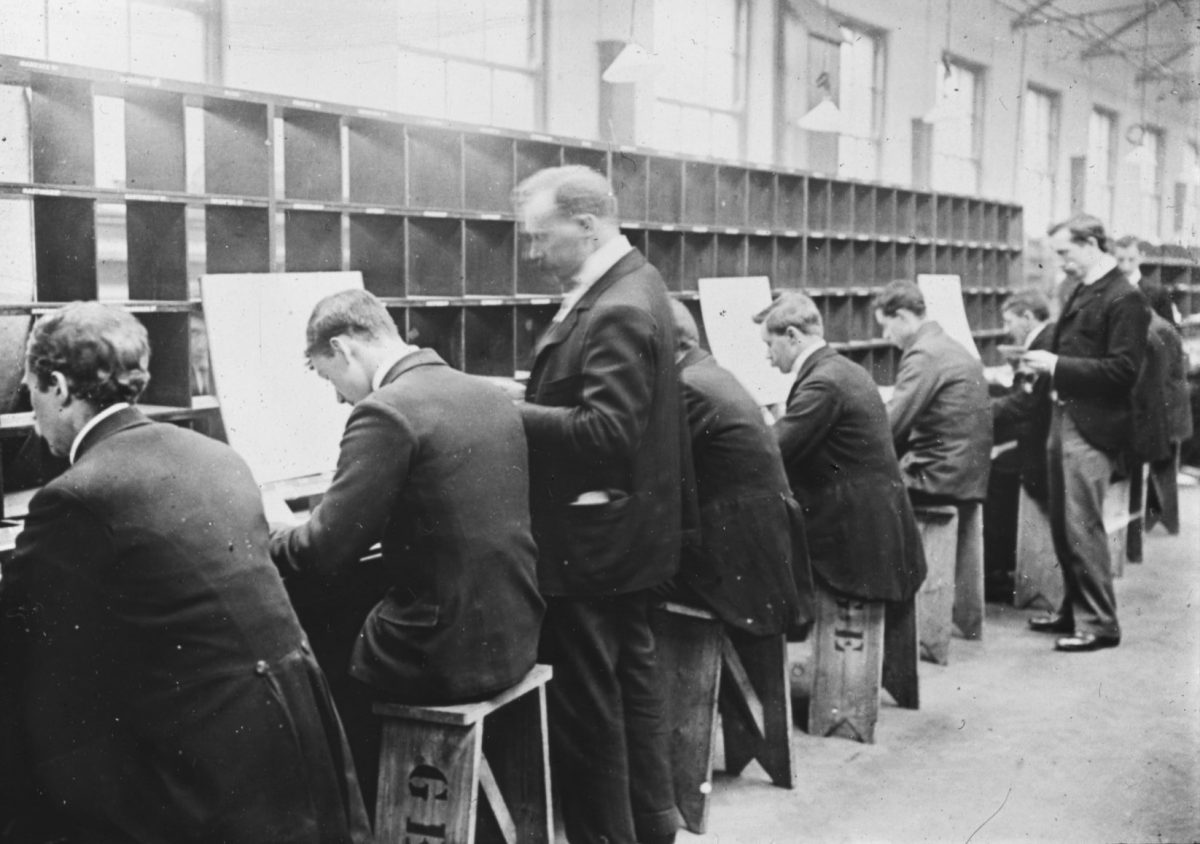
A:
[158, 684]
[1160, 416]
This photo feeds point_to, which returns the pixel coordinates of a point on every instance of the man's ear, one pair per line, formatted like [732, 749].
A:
[60, 387]
[340, 345]
[587, 222]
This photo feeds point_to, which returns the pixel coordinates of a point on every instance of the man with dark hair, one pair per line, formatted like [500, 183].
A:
[939, 411]
[604, 422]
[1129, 252]
[750, 563]
[1019, 418]
[837, 451]
[1097, 351]
[433, 467]
[162, 687]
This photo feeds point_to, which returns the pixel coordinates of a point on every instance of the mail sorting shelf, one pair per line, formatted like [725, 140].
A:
[128, 188]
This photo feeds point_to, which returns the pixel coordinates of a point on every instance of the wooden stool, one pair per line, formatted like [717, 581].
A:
[434, 760]
[935, 601]
[1039, 581]
[968, 571]
[1117, 520]
[703, 672]
[854, 653]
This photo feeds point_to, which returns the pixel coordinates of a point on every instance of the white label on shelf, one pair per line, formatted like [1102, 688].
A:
[539, 137]
[41, 311]
[791, 233]
[42, 192]
[491, 301]
[306, 104]
[762, 232]
[370, 112]
[863, 237]
[585, 143]
[489, 216]
[731, 231]
[668, 228]
[539, 301]
[38, 65]
[308, 206]
[221, 200]
[374, 210]
[440, 303]
[142, 80]
[144, 309]
[435, 214]
[700, 229]
[144, 197]
[229, 92]
[489, 130]
[627, 148]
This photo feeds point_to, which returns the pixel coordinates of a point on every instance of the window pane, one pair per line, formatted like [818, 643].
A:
[694, 130]
[422, 88]
[167, 42]
[513, 99]
[468, 92]
[666, 125]
[725, 141]
[418, 24]
[89, 32]
[461, 28]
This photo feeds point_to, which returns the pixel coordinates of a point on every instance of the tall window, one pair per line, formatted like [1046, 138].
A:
[1101, 164]
[701, 91]
[1150, 183]
[478, 61]
[169, 38]
[860, 98]
[1039, 156]
[957, 127]
[1187, 212]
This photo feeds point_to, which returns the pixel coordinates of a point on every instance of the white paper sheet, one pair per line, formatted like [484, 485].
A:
[944, 303]
[728, 306]
[281, 417]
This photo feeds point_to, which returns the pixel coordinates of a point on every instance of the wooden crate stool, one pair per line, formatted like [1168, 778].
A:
[968, 572]
[1039, 582]
[935, 601]
[703, 672]
[435, 760]
[854, 653]
[1117, 521]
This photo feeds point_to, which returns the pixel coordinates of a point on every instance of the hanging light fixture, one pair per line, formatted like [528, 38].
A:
[825, 115]
[634, 63]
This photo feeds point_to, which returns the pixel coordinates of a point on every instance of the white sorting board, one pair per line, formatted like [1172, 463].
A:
[944, 303]
[728, 306]
[279, 416]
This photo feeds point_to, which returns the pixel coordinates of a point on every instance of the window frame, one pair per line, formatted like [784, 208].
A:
[978, 99]
[1109, 186]
[1052, 142]
[878, 89]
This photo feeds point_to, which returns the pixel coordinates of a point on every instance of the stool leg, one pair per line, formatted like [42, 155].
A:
[516, 750]
[847, 667]
[689, 658]
[1137, 509]
[900, 655]
[1039, 579]
[935, 601]
[756, 707]
[968, 572]
[428, 781]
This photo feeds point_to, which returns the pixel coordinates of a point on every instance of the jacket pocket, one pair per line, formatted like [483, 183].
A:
[409, 615]
[598, 535]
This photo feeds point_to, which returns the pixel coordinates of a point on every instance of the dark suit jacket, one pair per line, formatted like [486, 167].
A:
[1100, 340]
[1023, 415]
[941, 417]
[163, 682]
[432, 466]
[603, 412]
[1151, 410]
[751, 562]
[837, 450]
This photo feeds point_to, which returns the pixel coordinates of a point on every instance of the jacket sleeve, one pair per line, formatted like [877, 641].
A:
[1117, 368]
[915, 385]
[1012, 410]
[373, 464]
[812, 410]
[617, 371]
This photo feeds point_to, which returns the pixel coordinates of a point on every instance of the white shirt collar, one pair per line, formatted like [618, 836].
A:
[593, 269]
[804, 356]
[93, 422]
[386, 365]
[1104, 264]
[1037, 329]
[1135, 277]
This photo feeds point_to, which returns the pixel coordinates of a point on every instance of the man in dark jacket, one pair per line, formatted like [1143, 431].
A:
[432, 467]
[604, 423]
[750, 563]
[163, 689]
[1098, 347]
[837, 451]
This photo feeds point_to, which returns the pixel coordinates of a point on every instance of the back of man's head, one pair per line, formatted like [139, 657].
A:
[1028, 301]
[899, 295]
[573, 190]
[792, 309]
[687, 333]
[1081, 228]
[102, 351]
[350, 313]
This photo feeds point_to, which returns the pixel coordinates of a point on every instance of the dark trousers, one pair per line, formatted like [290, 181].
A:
[608, 740]
[1162, 493]
[1079, 476]
[1000, 518]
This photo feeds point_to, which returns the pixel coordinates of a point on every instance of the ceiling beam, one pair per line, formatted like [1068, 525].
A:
[1159, 69]
[1026, 18]
[1103, 46]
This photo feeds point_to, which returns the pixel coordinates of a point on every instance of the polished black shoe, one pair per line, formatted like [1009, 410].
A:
[1078, 642]
[1053, 623]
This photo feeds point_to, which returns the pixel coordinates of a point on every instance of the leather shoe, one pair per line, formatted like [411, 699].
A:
[1079, 642]
[1053, 623]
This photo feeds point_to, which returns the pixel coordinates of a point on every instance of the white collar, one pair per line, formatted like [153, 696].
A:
[804, 356]
[386, 366]
[1103, 266]
[1135, 278]
[1037, 329]
[593, 269]
[93, 422]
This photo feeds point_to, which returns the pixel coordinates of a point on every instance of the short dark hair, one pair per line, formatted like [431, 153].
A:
[687, 333]
[1028, 300]
[900, 294]
[356, 313]
[1082, 227]
[102, 351]
[575, 189]
[1128, 240]
[792, 309]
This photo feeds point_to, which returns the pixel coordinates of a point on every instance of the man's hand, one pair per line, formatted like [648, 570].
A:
[1040, 362]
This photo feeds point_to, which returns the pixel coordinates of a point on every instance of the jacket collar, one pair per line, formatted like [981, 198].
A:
[816, 357]
[122, 420]
[1084, 293]
[693, 357]
[559, 331]
[421, 357]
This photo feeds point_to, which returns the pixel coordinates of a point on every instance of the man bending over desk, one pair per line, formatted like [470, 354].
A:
[433, 466]
[157, 684]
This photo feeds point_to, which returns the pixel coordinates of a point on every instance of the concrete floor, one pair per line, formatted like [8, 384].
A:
[1015, 742]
